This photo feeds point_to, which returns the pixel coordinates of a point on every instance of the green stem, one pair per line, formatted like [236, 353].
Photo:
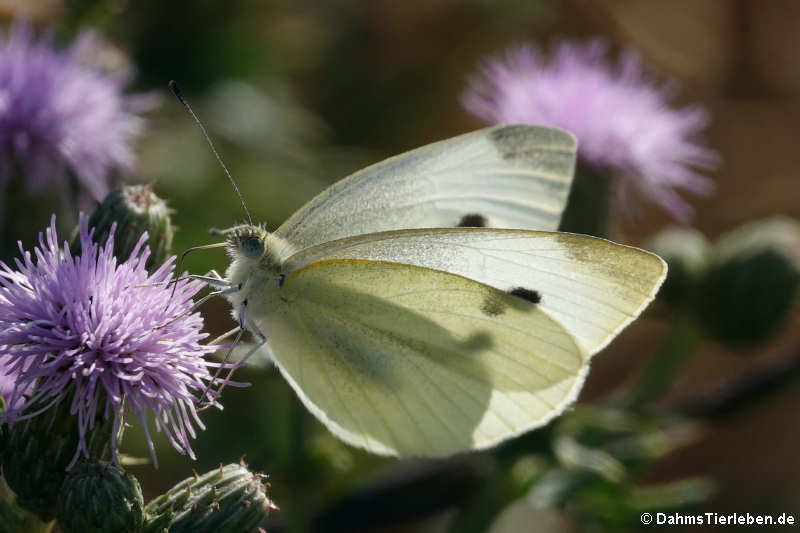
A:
[299, 462]
[478, 513]
[587, 210]
[34, 525]
[660, 372]
[14, 519]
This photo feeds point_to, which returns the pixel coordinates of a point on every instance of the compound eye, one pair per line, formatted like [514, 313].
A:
[252, 246]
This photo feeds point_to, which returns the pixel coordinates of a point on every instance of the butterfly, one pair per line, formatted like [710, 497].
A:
[426, 305]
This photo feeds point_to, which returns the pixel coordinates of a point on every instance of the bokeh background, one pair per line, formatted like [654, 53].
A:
[299, 94]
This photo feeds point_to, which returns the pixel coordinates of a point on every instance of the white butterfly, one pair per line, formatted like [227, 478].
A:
[406, 340]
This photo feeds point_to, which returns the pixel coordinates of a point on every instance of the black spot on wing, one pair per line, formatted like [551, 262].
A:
[493, 305]
[472, 220]
[529, 295]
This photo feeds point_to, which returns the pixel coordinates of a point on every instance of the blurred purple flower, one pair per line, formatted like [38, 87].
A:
[621, 117]
[108, 331]
[61, 114]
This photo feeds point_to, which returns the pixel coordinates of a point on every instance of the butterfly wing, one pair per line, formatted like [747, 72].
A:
[405, 360]
[507, 177]
[592, 287]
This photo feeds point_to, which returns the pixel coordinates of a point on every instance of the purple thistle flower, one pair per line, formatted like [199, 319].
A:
[107, 331]
[621, 117]
[61, 116]
[7, 380]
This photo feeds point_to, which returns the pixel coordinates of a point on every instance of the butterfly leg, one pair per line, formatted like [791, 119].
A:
[243, 325]
[224, 336]
[226, 287]
[222, 292]
[213, 279]
[261, 341]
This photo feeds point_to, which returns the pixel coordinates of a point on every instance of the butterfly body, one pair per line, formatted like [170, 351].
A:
[255, 267]
[412, 318]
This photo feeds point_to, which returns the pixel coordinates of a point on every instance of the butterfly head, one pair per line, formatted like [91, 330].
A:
[256, 262]
[247, 241]
[251, 245]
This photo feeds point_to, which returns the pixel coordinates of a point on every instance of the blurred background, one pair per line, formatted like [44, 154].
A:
[299, 94]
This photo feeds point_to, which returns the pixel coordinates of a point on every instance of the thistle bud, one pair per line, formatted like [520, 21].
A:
[100, 497]
[229, 499]
[135, 209]
[37, 452]
[685, 251]
[751, 284]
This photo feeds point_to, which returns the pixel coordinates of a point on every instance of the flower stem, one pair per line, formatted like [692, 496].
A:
[660, 372]
[33, 525]
[587, 210]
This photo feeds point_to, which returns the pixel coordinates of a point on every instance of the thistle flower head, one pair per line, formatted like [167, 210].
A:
[622, 118]
[60, 115]
[7, 380]
[105, 334]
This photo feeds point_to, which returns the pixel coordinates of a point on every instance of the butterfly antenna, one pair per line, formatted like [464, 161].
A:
[173, 86]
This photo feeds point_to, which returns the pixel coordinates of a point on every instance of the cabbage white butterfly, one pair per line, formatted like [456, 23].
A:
[407, 340]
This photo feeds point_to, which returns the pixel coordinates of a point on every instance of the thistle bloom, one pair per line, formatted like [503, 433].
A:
[621, 117]
[7, 380]
[61, 116]
[107, 335]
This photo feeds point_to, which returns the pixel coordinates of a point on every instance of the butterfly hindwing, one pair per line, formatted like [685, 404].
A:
[405, 360]
[591, 286]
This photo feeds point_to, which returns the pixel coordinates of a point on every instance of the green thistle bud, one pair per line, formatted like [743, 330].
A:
[685, 251]
[135, 209]
[229, 499]
[100, 497]
[751, 285]
[38, 450]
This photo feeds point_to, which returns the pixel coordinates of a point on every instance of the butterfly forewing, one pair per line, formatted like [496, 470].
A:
[503, 177]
